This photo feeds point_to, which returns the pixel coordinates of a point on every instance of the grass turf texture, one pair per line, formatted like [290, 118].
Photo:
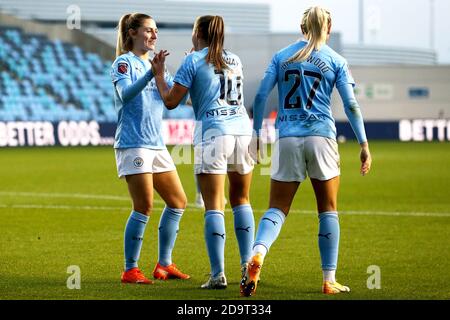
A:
[65, 206]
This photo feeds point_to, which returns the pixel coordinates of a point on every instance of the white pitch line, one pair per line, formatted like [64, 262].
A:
[399, 214]
[305, 212]
[60, 207]
[65, 207]
[69, 195]
[63, 195]
[372, 213]
[190, 205]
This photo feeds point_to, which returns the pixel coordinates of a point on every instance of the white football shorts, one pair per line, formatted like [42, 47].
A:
[294, 158]
[222, 154]
[142, 160]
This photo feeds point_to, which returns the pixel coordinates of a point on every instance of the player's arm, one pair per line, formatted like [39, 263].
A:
[259, 105]
[121, 78]
[265, 87]
[171, 95]
[127, 90]
[353, 111]
[354, 115]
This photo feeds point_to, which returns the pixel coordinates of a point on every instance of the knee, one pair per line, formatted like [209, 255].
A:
[144, 206]
[280, 205]
[179, 202]
[284, 209]
[182, 202]
[237, 200]
[327, 206]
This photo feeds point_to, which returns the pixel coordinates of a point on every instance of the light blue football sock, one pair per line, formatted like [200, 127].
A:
[134, 235]
[244, 227]
[215, 240]
[167, 234]
[269, 227]
[329, 239]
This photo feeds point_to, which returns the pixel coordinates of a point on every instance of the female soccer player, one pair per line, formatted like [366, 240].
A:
[141, 156]
[306, 72]
[213, 78]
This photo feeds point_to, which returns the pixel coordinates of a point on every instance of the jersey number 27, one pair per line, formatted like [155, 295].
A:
[296, 104]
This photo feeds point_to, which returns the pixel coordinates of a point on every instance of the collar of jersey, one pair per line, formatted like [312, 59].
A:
[136, 57]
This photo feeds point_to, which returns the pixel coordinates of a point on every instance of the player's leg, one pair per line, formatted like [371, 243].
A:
[244, 221]
[140, 187]
[323, 168]
[269, 227]
[329, 232]
[134, 164]
[198, 195]
[240, 166]
[212, 187]
[287, 173]
[168, 185]
[211, 168]
[326, 193]
[281, 196]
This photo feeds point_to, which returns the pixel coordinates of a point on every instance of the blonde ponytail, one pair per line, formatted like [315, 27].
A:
[315, 24]
[122, 34]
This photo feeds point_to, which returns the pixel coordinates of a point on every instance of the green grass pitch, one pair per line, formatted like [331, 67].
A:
[65, 206]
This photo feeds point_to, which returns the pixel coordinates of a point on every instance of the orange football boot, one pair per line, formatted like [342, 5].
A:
[168, 272]
[251, 277]
[334, 288]
[134, 275]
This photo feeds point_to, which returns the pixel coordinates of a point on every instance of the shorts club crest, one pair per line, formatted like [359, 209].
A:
[138, 162]
[142, 160]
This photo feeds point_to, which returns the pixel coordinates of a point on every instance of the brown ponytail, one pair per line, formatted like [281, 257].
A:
[212, 30]
[127, 22]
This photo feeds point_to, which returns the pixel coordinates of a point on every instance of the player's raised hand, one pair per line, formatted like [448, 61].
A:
[163, 54]
[158, 63]
[366, 158]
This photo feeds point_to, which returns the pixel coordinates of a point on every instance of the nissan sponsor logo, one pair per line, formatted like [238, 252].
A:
[64, 133]
[424, 130]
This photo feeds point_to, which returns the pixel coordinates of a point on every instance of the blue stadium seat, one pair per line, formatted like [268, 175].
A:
[49, 80]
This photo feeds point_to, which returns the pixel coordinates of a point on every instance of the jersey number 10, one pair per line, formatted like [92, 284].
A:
[230, 88]
[297, 104]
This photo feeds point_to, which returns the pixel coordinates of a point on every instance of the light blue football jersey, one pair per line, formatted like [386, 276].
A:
[139, 120]
[217, 97]
[304, 91]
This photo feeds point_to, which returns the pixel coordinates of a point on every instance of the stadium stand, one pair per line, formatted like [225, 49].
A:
[49, 80]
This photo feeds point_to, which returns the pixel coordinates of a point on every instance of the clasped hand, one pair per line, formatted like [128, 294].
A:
[158, 63]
